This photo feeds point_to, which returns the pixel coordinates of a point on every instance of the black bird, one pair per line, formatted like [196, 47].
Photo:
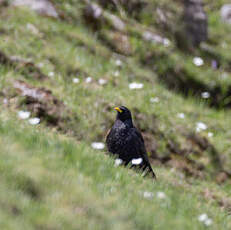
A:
[125, 141]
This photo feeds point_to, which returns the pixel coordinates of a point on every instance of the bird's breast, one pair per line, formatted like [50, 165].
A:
[117, 138]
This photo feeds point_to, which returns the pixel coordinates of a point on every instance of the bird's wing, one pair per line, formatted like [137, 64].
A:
[135, 145]
[141, 146]
[139, 149]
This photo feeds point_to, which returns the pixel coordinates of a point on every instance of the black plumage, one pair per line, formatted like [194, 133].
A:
[125, 141]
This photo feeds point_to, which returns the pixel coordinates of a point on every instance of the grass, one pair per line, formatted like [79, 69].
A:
[52, 179]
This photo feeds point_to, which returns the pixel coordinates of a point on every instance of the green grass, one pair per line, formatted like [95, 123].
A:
[53, 179]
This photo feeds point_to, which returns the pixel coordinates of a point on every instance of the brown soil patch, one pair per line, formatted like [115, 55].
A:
[26, 67]
[43, 104]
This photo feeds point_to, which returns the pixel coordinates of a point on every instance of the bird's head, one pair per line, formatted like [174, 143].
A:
[123, 113]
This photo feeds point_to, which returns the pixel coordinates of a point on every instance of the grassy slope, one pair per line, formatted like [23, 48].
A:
[63, 182]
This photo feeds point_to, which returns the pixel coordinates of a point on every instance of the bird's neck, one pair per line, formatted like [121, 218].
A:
[128, 123]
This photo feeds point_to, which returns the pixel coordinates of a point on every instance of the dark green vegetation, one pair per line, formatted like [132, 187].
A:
[51, 178]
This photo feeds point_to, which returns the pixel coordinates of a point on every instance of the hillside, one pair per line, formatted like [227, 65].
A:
[63, 70]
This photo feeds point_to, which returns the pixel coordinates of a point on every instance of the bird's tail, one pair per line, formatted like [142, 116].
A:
[150, 171]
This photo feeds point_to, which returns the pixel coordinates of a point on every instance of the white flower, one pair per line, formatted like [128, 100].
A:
[200, 126]
[5, 101]
[208, 222]
[203, 217]
[148, 195]
[23, 114]
[224, 75]
[88, 80]
[102, 81]
[166, 42]
[181, 115]
[116, 73]
[40, 65]
[97, 11]
[32, 28]
[118, 162]
[161, 195]
[137, 161]
[97, 145]
[224, 45]
[136, 85]
[210, 134]
[51, 74]
[75, 80]
[118, 62]
[34, 121]
[149, 36]
[198, 61]
[154, 99]
[205, 95]
[112, 189]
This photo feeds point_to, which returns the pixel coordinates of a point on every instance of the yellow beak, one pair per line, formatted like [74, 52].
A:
[118, 109]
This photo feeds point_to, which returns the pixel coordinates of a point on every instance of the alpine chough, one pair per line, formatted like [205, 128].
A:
[125, 141]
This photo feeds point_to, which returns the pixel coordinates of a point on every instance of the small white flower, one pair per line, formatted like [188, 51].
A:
[97, 11]
[181, 175]
[148, 195]
[224, 75]
[210, 134]
[32, 28]
[155, 38]
[102, 81]
[198, 61]
[161, 195]
[23, 114]
[154, 99]
[137, 161]
[40, 65]
[208, 222]
[75, 80]
[203, 217]
[97, 145]
[112, 189]
[148, 36]
[200, 126]
[181, 115]
[88, 80]
[205, 95]
[136, 85]
[116, 73]
[166, 42]
[34, 121]
[224, 45]
[5, 101]
[118, 162]
[118, 62]
[51, 74]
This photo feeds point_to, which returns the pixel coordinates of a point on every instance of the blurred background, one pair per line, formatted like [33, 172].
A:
[64, 65]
